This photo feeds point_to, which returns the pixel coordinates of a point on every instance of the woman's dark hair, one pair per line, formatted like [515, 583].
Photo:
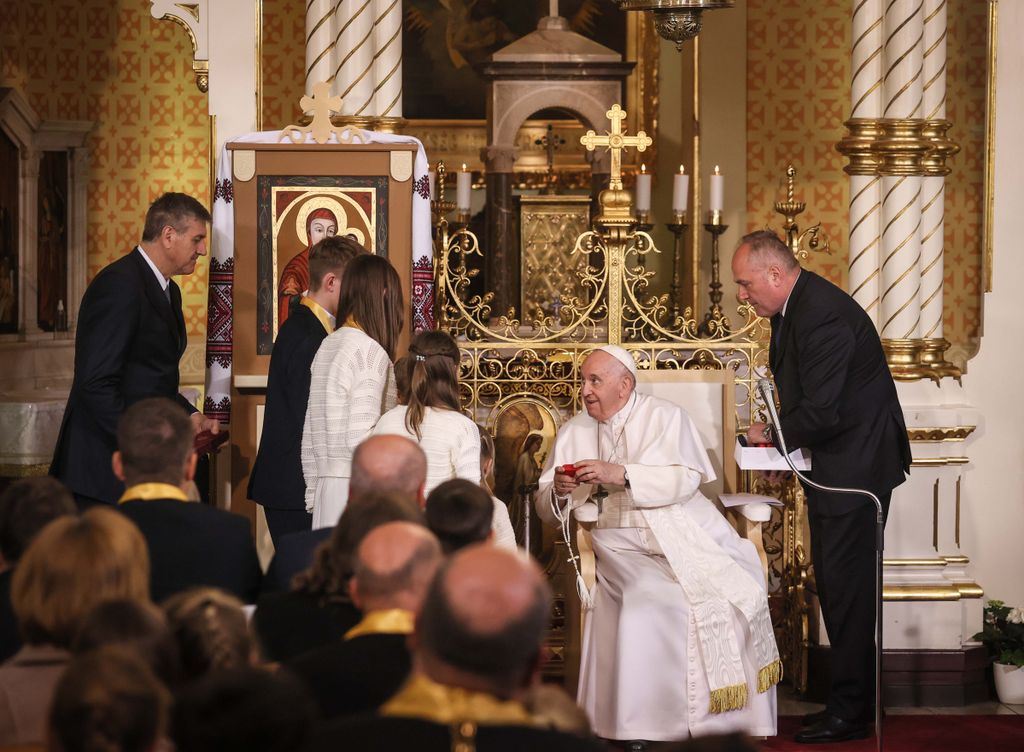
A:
[435, 377]
[371, 294]
[134, 625]
[108, 700]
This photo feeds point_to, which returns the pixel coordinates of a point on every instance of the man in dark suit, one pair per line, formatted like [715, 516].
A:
[276, 481]
[129, 339]
[394, 564]
[476, 651]
[837, 399]
[189, 544]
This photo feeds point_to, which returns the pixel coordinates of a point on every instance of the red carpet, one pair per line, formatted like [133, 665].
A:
[922, 733]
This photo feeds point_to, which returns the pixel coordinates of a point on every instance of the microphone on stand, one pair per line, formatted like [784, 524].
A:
[767, 390]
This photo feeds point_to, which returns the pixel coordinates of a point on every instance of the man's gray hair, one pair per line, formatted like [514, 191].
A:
[766, 247]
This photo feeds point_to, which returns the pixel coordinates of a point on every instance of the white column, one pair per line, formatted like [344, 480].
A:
[353, 66]
[902, 95]
[387, 66]
[933, 187]
[867, 58]
[320, 31]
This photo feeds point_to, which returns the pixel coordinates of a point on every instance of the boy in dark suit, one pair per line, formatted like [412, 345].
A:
[129, 339]
[190, 544]
[837, 399]
[276, 481]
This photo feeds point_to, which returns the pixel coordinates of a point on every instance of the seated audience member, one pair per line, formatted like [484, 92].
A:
[211, 631]
[501, 523]
[189, 544]
[133, 625]
[73, 564]
[108, 700]
[459, 513]
[319, 609]
[25, 508]
[242, 710]
[383, 464]
[432, 415]
[394, 565]
[477, 647]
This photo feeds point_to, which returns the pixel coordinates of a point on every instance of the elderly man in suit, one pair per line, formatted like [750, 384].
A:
[838, 400]
[130, 337]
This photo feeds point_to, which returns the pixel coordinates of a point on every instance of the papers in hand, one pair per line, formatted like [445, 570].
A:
[769, 458]
[740, 499]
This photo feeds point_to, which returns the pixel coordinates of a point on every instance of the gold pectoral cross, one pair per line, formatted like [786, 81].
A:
[616, 141]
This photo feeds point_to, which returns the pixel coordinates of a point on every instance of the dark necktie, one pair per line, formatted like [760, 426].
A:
[777, 320]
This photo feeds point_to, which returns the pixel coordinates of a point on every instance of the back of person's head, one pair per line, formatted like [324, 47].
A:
[434, 381]
[108, 700]
[388, 464]
[26, 506]
[331, 256]
[175, 210]
[371, 293]
[733, 742]
[74, 563]
[334, 561]
[403, 377]
[154, 441]
[459, 513]
[486, 459]
[134, 625]
[483, 620]
[767, 248]
[211, 631]
[394, 564]
[242, 710]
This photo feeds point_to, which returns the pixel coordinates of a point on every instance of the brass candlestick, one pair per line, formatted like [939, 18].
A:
[715, 324]
[678, 228]
[644, 225]
[811, 239]
[440, 208]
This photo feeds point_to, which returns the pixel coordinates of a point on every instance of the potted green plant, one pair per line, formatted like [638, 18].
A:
[1003, 635]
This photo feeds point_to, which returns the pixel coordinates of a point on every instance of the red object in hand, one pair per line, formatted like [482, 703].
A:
[569, 470]
[206, 442]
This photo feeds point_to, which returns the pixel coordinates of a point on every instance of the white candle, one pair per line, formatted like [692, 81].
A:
[463, 190]
[643, 190]
[680, 191]
[433, 185]
[717, 201]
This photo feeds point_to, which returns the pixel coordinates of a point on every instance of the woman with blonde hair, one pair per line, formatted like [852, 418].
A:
[352, 382]
[75, 563]
[432, 416]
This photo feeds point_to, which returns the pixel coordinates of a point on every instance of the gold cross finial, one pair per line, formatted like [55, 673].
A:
[322, 104]
[616, 141]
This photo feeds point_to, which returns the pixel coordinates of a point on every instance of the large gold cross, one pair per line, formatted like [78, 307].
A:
[616, 141]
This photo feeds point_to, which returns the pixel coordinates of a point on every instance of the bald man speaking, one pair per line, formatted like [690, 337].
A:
[679, 641]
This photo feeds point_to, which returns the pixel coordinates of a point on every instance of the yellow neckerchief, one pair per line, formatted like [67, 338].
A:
[150, 491]
[320, 312]
[383, 621]
[427, 700]
[351, 321]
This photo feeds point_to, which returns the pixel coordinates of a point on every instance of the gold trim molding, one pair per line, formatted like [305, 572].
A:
[897, 146]
[193, 18]
[954, 591]
[939, 461]
[916, 359]
[937, 434]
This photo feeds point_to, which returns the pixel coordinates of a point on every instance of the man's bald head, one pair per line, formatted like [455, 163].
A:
[484, 618]
[394, 565]
[607, 385]
[389, 464]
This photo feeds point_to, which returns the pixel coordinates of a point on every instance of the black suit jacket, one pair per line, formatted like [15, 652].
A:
[354, 676]
[837, 395]
[373, 734]
[290, 624]
[276, 480]
[127, 347]
[192, 545]
[293, 553]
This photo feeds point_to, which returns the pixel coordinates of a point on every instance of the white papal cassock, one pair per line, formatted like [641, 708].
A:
[679, 641]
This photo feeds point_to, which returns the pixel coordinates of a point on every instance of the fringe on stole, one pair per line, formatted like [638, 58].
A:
[735, 697]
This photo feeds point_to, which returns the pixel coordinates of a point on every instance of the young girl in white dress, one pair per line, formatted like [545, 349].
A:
[352, 383]
[432, 415]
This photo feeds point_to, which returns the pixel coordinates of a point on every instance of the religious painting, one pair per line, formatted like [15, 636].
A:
[9, 169]
[524, 433]
[52, 248]
[293, 214]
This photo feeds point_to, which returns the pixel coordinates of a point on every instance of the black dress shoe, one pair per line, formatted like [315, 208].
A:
[811, 718]
[832, 729]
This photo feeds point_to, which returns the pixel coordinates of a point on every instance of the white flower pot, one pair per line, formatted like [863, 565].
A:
[1009, 683]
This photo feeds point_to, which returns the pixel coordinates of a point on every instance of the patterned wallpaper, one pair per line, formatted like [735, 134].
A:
[114, 64]
[798, 95]
[283, 61]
